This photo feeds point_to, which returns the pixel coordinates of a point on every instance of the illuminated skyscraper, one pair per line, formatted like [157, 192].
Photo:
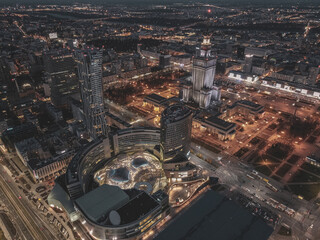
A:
[248, 63]
[89, 63]
[175, 136]
[201, 89]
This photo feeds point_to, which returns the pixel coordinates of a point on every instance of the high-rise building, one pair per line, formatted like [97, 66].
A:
[175, 136]
[89, 63]
[60, 74]
[248, 63]
[164, 61]
[200, 88]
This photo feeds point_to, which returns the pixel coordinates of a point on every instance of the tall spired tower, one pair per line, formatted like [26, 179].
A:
[201, 88]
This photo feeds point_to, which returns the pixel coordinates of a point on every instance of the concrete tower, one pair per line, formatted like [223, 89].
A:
[248, 63]
[200, 88]
[175, 136]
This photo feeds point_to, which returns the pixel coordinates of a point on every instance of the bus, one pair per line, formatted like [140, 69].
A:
[250, 176]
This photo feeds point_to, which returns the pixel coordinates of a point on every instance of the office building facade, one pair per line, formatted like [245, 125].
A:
[60, 75]
[175, 136]
[89, 62]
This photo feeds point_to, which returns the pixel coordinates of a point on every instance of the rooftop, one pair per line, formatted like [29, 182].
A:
[242, 74]
[114, 117]
[214, 215]
[100, 201]
[155, 98]
[28, 144]
[219, 123]
[36, 163]
[248, 104]
[137, 207]
[20, 128]
[175, 113]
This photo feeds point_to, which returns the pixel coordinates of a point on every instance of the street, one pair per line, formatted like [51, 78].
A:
[234, 174]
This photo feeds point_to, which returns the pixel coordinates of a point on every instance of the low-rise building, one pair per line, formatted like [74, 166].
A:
[55, 113]
[291, 88]
[17, 134]
[241, 76]
[181, 60]
[258, 52]
[30, 117]
[223, 129]
[109, 212]
[114, 120]
[48, 168]
[180, 170]
[246, 108]
[156, 101]
[27, 149]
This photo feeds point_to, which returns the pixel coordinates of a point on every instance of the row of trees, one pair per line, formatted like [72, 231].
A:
[302, 128]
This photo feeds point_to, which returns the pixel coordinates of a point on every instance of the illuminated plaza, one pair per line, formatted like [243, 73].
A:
[121, 187]
[133, 169]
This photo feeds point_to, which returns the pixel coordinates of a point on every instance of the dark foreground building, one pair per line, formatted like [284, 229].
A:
[175, 137]
[215, 217]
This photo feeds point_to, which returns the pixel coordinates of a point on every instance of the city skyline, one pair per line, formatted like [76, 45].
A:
[159, 120]
[143, 2]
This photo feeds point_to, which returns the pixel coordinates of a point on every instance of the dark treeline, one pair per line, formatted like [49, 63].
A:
[302, 128]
